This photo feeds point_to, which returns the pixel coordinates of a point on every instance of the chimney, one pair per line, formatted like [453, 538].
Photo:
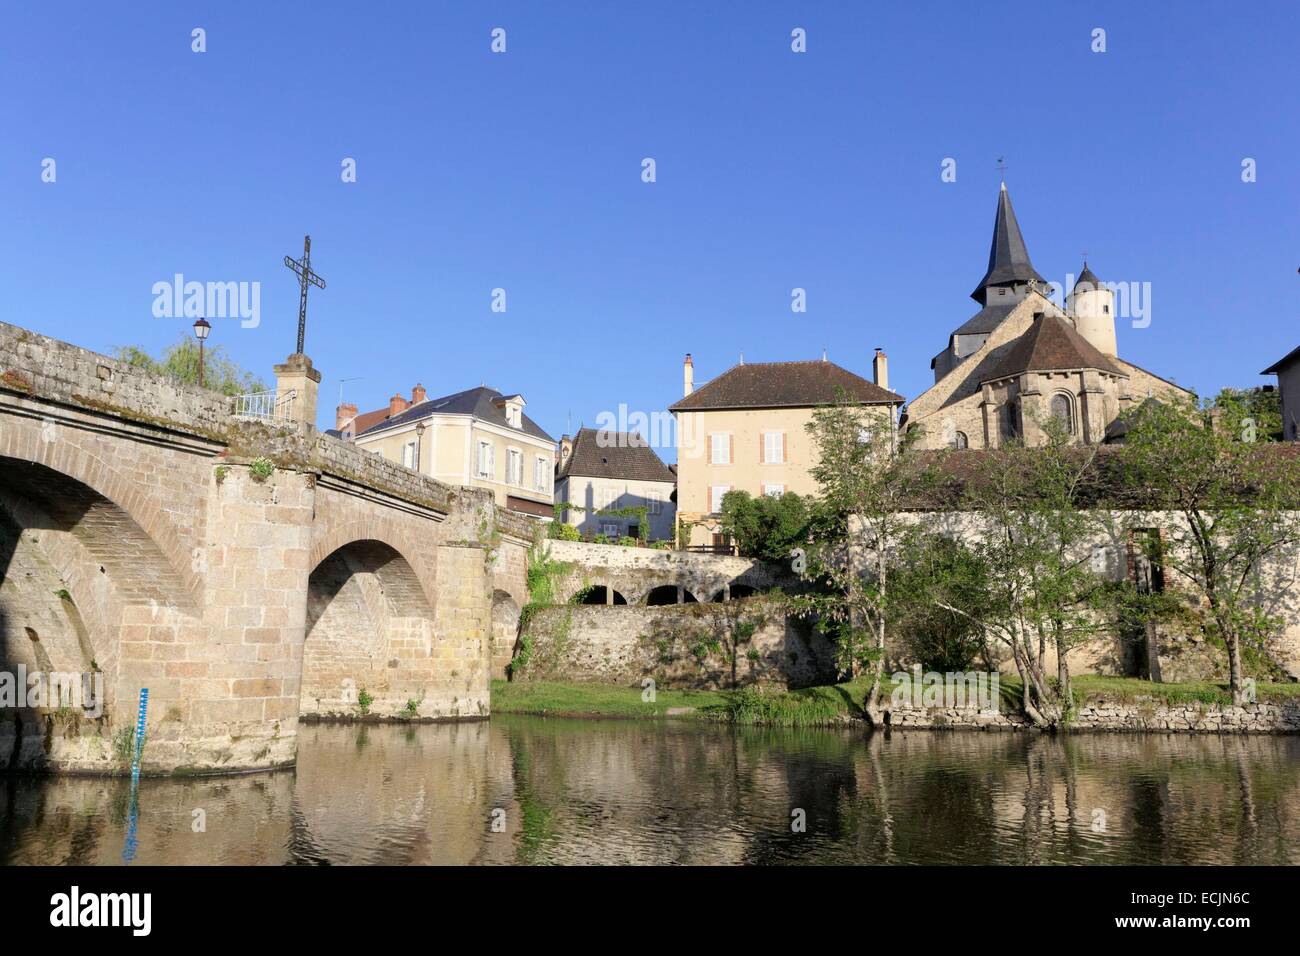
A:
[688, 376]
[566, 448]
[418, 394]
[344, 415]
[880, 369]
[397, 405]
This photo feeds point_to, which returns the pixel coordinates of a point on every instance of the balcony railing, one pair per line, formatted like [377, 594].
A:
[266, 406]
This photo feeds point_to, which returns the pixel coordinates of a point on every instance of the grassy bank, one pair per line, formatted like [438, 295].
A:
[819, 706]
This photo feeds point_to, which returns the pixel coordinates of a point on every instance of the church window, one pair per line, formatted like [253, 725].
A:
[1063, 411]
[1010, 421]
[959, 440]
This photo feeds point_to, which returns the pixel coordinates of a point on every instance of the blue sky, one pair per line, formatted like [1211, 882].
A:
[522, 171]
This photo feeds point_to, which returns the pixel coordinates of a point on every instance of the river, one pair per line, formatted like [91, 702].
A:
[528, 790]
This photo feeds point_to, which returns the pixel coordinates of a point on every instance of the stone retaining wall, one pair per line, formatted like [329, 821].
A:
[1112, 716]
[731, 644]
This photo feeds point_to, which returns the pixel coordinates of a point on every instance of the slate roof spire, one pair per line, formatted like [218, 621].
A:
[1009, 263]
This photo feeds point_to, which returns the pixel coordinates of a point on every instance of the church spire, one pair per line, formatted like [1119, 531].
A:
[1009, 265]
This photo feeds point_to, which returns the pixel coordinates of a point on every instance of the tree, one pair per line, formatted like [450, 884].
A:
[180, 361]
[867, 483]
[1236, 501]
[934, 575]
[766, 527]
[1031, 533]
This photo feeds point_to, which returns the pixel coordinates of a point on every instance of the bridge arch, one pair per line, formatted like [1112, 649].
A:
[370, 635]
[337, 537]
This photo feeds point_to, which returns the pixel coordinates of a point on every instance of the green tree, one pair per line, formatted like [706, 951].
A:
[1236, 503]
[934, 575]
[1251, 414]
[867, 483]
[766, 527]
[180, 361]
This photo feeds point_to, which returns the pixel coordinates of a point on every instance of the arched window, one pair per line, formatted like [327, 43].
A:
[1010, 421]
[959, 440]
[1063, 411]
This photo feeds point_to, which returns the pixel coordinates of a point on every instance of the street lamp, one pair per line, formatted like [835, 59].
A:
[201, 330]
[419, 443]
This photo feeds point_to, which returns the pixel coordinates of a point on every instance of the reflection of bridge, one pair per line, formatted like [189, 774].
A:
[243, 571]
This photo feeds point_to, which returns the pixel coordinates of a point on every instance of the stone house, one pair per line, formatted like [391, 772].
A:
[1022, 359]
[747, 430]
[1287, 370]
[600, 470]
[479, 438]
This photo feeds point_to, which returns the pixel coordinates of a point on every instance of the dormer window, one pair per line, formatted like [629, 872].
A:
[513, 407]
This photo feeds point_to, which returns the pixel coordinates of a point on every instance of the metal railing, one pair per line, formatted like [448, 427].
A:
[266, 406]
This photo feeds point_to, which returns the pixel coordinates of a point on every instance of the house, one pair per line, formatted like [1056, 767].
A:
[1022, 359]
[1287, 370]
[747, 430]
[478, 437]
[602, 470]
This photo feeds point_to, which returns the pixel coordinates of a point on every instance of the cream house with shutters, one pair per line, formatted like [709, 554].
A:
[478, 437]
[746, 430]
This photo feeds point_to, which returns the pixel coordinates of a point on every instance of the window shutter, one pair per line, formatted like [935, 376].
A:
[710, 450]
[784, 452]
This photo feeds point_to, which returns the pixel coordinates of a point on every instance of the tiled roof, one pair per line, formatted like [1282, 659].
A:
[783, 385]
[625, 455]
[1050, 344]
[985, 320]
[480, 402]
[1282, 363]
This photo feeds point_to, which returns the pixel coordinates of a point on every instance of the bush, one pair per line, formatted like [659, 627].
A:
[560, 531]
[765, 527]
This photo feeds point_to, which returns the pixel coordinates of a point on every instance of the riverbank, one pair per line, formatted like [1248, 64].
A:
[1102, 703]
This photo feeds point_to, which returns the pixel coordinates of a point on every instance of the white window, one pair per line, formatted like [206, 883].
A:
[715, 497]
[608, 497]
[541, 474]
[774, 491]
[773, 448]
[610, 530]
[408, 454]
[654, 503]
[486, 466]
[514, 467]
[721, 443]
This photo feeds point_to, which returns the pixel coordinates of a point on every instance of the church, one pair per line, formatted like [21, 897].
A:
[1022, 360]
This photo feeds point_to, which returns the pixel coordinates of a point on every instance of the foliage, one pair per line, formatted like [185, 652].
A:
[560, 531]
[412, 708]
[766, 527]
[940, 571]
[180, 362]
[364, 700]
[261, 468]
[543, 573]
[542, 697]
[867, 482]
[1237, 506]
[640, 512]
[1251, 414]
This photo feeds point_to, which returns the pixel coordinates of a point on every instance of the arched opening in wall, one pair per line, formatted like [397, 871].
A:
[599, 594]
[370, 636]
[1062, 411]
[664, 594]
[71, 562]
[734, 592]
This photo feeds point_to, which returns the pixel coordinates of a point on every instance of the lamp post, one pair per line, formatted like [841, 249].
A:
[419, 444]
[201, 330]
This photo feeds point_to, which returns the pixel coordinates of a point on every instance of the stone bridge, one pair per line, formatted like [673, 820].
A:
[247, 573]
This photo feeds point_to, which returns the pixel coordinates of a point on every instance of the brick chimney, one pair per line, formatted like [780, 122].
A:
[688, 376]
[344, 415]
[397, 405]
[880, 369]
[418, 394]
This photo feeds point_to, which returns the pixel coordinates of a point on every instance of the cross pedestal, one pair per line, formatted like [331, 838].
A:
[297, 375]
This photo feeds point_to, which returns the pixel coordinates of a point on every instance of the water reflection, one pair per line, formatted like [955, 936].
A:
[568, 791]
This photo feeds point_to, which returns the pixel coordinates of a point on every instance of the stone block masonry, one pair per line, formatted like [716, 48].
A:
[731, 644]
[245, 573]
